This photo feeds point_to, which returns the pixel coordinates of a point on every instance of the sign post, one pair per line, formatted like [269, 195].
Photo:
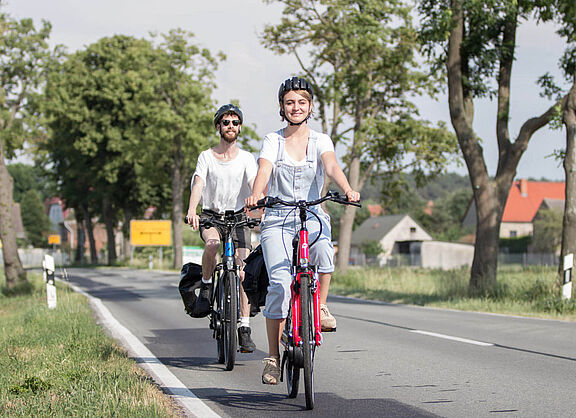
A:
[154, 233]
[567, 282]
[48, 270]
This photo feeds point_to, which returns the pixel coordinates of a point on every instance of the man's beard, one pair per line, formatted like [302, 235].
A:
[229, 139]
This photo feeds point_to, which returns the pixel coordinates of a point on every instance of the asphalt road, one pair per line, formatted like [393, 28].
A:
[384, 360]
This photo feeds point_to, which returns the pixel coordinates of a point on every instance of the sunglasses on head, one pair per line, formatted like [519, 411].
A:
[226, 122]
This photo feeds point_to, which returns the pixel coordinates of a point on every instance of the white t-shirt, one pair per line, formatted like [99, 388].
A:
[269, 150]
[226, 183]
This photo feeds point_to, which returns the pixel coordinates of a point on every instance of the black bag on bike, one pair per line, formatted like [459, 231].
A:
[190, 281]
[255, 282]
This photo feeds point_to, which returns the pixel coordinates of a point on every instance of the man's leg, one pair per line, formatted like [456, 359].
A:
[211, 239]
[212, 245]
[244, 331]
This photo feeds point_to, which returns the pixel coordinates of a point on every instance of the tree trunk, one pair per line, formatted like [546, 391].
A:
[488, 216]
[90, 232]
[177, 210]
[81, 246]
[347, 219]
[569, 221]
[15, 273]
[109, 222]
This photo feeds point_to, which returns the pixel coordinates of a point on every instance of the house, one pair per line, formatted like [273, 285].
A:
[524, 201]
[397, 234]
[405, 242]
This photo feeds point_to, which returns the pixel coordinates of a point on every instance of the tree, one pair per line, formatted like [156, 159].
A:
[569, 219]
[24, 55]
[182, 119]
[126, 118]
[34, 218]
[566, 16]
[475, 42]
[547, 234]
[97, 104]
[362, 62]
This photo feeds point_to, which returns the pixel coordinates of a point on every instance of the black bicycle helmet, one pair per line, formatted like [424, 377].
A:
[294, 83]
[229, 108]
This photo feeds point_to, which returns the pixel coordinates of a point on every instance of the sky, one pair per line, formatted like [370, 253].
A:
[251, 74]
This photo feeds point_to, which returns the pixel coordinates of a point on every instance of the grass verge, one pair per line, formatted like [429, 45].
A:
[530, 291]
[59, 362]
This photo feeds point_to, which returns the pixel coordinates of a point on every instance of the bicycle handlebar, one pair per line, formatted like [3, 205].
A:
[269, 201]
[229, 220]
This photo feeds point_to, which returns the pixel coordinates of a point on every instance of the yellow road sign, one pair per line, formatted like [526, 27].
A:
[150, 233]
[54, 239]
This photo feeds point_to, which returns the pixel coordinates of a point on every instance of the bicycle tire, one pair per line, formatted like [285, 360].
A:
[218, 312]
[292, 370]
[230, 326]
[308, 342]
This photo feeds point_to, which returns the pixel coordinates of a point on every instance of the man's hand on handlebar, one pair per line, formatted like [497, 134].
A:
[193, 220]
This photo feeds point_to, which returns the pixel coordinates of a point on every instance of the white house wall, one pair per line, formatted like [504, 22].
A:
[446, 255]
[521, 229]
[401, 232]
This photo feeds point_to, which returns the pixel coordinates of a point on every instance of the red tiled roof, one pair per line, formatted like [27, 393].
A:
[522, 205]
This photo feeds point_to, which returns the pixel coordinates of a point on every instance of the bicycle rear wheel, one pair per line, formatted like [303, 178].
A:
[230, 322]
[308, 342]
[292, 369]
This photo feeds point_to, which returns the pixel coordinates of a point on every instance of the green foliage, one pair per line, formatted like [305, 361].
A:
[58, 362]
[34, 218]
[24, 57]
[515, 245]
[547, 235]
[27, 177]
[529, 291]
[361, 57]
[372, 248]
[126, 118]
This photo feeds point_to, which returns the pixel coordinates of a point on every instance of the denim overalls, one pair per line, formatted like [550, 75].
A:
[292, 183]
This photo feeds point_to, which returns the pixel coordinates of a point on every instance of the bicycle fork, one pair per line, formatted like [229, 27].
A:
[305, 282]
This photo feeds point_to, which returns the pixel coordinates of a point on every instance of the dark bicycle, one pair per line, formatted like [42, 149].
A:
[225, 298]
[302, 332]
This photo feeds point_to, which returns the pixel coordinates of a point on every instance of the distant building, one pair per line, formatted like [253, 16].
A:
[524, 201]
[405, 242]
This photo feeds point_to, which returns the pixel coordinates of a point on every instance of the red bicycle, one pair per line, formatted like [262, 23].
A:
[302, 332]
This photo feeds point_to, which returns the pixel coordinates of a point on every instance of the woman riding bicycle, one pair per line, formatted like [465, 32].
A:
[291, 165]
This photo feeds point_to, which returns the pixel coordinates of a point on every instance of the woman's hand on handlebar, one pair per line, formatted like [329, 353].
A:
[251, 201]
[353, 196]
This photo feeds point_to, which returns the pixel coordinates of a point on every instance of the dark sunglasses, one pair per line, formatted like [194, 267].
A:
[226, 122]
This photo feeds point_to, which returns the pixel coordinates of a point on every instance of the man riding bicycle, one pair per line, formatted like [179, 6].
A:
[223, 179]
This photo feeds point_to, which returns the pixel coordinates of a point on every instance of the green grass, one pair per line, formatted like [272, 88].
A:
[59, 362]
[530, 291]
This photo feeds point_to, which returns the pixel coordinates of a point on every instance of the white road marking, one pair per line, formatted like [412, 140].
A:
[148, 361]
[449, 337]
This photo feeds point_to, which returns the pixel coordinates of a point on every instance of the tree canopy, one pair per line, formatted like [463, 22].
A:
[361, 58]
[24, 57]
[474, 44]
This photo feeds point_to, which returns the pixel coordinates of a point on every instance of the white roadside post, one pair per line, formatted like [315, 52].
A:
[567, 286]
[48, 270]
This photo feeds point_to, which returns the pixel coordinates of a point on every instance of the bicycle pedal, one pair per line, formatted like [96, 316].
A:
[328, 329]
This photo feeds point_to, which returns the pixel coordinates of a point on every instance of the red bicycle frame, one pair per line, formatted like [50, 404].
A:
[310, 277]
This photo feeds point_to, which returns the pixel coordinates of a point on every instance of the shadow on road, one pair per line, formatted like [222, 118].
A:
[265, 404]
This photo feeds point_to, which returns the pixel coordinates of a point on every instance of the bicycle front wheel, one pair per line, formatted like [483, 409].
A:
[292, 368]
[308, 342]
[218, 319]
[230, 323]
